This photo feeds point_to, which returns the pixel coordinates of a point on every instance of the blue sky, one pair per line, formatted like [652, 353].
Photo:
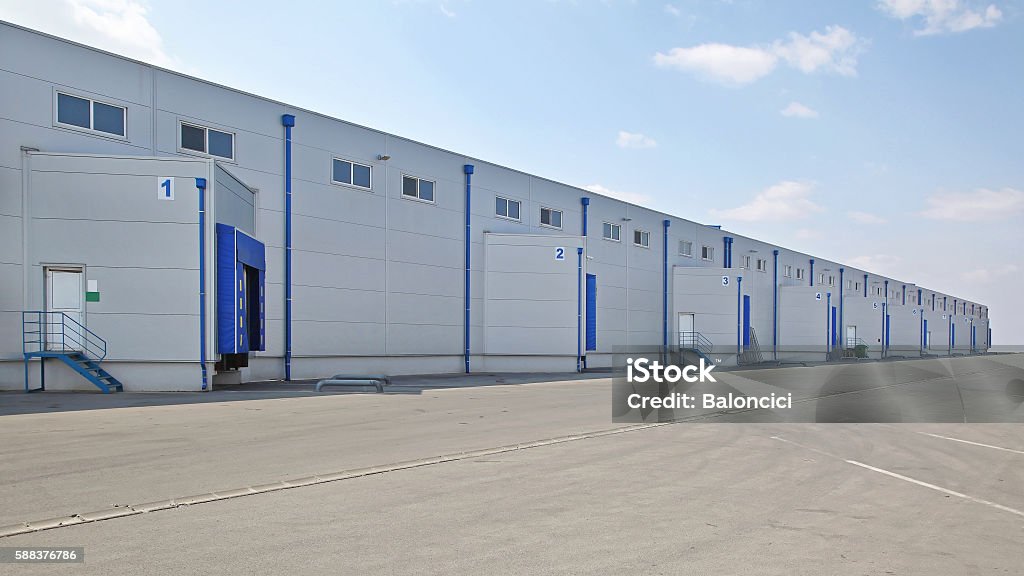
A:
[884, 134]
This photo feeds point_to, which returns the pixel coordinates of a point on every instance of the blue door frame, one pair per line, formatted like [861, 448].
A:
[746, 320]
[591, 312]
[834, 332]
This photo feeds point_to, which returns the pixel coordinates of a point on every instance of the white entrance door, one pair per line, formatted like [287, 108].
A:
[64, 294]
[686, 336]
[851, 336]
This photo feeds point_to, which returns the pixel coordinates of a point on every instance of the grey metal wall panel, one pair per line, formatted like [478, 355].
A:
[337, 305]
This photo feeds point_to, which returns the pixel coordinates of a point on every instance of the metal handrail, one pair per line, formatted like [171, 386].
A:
[56, 331]
[854, 342]
[695, 341]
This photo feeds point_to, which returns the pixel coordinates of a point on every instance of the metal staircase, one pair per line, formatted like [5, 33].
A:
[57, 335]
[695, 342]
[752, 352]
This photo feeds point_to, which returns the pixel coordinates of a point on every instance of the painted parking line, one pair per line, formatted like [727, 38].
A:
[937, 488]
[947, 491]
[973, 443]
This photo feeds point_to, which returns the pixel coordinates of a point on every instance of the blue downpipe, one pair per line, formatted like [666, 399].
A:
[884, 315]
[288, 121]
[201, 185]
[775, 305]
[811, 279]
[842, 331]
[468, 171]
[579, 308]
[664, 290]
[865, 285]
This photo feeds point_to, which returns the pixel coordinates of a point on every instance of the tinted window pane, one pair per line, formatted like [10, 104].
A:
[361, 175]
[222, 144]
[556, 218]
[501, 207]
[71, 110]
[513, 209]
[193, 138]
[109, 119]
[545, 216]
[427, 190]
[409, 186]
[342, 172]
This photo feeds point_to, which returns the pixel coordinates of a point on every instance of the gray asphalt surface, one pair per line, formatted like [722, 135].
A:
[675, 499]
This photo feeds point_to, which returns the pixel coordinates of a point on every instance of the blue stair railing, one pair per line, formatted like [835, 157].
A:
[58, 335]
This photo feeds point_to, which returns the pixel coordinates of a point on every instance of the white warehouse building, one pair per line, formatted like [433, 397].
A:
[160, 232]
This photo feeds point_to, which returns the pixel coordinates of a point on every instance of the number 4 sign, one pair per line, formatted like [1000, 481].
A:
[165, 188]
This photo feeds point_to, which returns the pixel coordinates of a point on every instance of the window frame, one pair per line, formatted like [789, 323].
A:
[745, 261]
[644, 234]
[206, 143]
[613, 227]
[800, 273]
[561, 217]
[689, 253]
[709, 250]
[787, 270]
[351, 172]
[507, 200]
[91, 100]
[418, 197]
[762, 265]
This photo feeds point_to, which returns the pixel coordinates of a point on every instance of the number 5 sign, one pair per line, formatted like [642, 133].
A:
[165, 188]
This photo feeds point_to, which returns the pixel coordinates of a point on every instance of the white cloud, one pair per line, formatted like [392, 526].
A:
[977, 206]
[631, 197]
[798, 110]
[786, 200]
[446, 11]
[883, 264]
[989, 275]
[119, 26]
[720, 62]
[865, 217]
[634, 140]
[808, 234]
[672, 10]
[939, 16]
[834, 50]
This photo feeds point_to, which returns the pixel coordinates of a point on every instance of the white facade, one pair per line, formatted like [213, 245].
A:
[377, 274]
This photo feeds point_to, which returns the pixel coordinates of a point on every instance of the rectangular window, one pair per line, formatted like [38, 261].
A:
[821, 279]
[207, 141]
[707, 253]
[611, 231]
[856, 286]
[831, 280]
[799, 273]
[642, 238]
[551, 217]
[686, 248]
[745, 262]
[418, 188]
[762, 265]
[506, 208]
[91, 115]
[787, 271]
[351, 173]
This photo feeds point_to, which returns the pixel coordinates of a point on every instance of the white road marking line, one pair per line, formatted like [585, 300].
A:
[973, 443]
[907, 478]
[938, 488]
